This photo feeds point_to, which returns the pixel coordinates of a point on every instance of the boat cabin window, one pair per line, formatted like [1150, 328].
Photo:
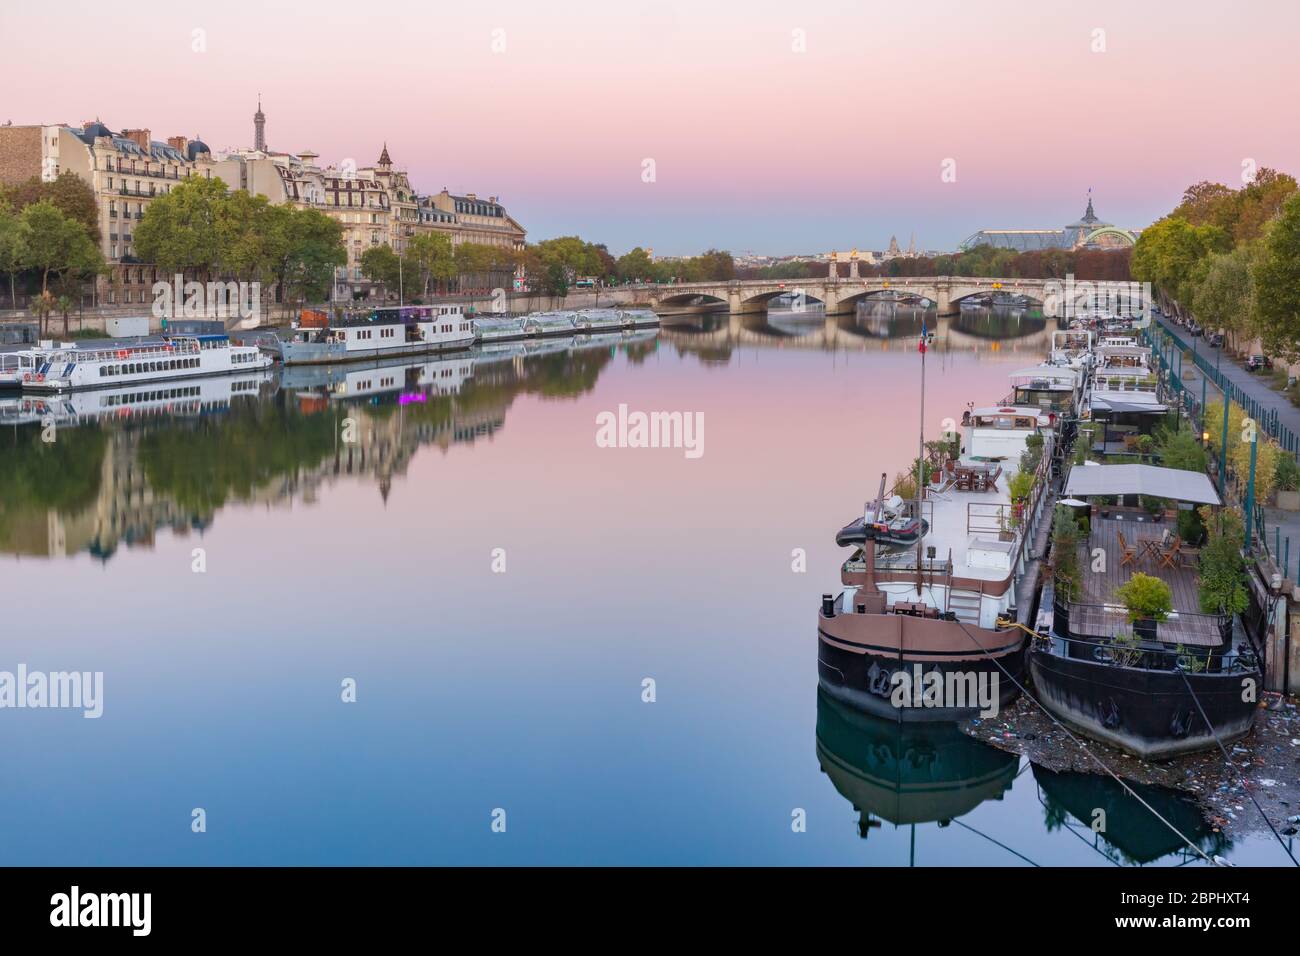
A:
[1005, 421]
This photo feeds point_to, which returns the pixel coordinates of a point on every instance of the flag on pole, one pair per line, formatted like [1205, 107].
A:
[923, 335]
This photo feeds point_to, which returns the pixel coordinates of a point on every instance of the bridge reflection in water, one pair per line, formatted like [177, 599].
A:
[879, 326]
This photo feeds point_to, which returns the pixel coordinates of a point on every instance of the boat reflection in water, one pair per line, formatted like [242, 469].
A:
[906, 773]
[172, 399]
[1127, 831]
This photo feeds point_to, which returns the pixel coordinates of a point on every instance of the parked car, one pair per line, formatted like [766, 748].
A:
[1215, 340]
[1257, 362]
[1194, 329]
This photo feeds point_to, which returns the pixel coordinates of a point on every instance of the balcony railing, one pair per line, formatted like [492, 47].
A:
[1099, 623]
[1146, 656]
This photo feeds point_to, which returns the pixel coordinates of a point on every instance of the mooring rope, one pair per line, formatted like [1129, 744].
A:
[1082, 746]
[1241, 778]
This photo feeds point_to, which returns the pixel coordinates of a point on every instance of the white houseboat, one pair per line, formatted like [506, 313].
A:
[380, 333]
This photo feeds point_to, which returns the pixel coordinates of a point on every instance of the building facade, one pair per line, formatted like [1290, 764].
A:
[1089, 232]
[126, 171]
[375, 205]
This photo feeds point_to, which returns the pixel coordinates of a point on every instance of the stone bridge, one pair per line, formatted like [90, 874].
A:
[839, 295]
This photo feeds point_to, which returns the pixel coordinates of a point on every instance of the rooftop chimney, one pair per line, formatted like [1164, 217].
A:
[178, 143]
[138, 136]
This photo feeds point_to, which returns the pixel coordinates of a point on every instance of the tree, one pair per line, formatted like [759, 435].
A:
[556, 282]
[309, 247]
[1222, 294]
[11, 248]
[1223, 570]
[1169, 251]
[180, 230]
[634, 266]
[68, 191]
[1275, 275]
[381, 264]
[53, 245]
[431, 255]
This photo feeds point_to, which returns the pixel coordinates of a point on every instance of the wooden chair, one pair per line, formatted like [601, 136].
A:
[1127, 552]
[1169, 556]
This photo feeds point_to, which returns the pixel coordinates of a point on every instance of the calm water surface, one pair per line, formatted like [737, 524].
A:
[521, 690]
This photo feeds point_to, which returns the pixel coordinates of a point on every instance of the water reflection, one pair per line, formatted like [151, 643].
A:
[93, 471]
[906, 774]
[875, 324]
[1130, 833]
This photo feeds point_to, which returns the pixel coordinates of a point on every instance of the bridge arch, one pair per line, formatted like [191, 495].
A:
[688, 302]
[1111, 236]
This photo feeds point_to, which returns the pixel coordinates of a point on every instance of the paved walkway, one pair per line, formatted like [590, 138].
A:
[1283, 526]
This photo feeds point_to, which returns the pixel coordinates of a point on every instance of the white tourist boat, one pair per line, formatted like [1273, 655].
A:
[17, 365]
[70, 368]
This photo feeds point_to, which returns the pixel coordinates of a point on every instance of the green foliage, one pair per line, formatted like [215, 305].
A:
[53, 245]
[432, 259]
[1180, 449]
[1154, 506]
[1146, 597]
[179, 231]
[1125, 649]
[309, 247]
[11, 249]
[1021, 484]
[1065, 552]
[1223, 569]
[557, 281]
[68, 192]
[905, 485]
[380, 264]
[1168, 252]
[1190, 660]
[1190, 527]
[1275, 275]
[1286, 474]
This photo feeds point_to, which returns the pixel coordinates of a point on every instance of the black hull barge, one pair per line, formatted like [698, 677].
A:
[1158, 684]
[1153, 712]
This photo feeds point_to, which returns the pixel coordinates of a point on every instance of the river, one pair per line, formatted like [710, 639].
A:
[501, 595]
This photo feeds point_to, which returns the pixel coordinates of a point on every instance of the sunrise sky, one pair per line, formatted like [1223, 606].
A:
[756, 145]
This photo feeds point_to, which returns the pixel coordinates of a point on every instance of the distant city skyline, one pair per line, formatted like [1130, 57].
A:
[773, 130]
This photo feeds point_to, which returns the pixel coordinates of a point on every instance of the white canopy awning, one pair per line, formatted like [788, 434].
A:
[1061, 372]
[1193, 486]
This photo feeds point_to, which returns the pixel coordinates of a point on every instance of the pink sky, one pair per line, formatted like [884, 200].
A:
[756, 146]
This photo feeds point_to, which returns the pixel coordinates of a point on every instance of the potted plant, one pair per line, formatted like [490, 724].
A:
[1286, 477]
[1155, 507]
[1148, 601]
[1125, 649]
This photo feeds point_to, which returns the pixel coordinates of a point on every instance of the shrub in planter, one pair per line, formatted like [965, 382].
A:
[1154, 506]
[1147, 598]
[1286, 473]
[1223, 570]
[1020, 486]
[1125, 650]
[1190, 528]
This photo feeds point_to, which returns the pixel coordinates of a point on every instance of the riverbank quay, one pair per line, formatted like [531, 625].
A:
[1266, 763]
[1273, 618]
